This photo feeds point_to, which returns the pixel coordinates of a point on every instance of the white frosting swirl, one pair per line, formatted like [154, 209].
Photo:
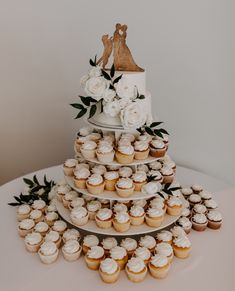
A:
[26, 224]
[139, 202]
[157, 202]
[124, 183]
[95, 252]
[174, 201]
[129, 244]
[84, 131]
[48, 248]
[78, 212]
[108, 266]
[157, 144]
[144, 137]
[78, 201]
[184, 222]
[51, 208]
[155, 166]
[155, 212]
[182, 242]
[214, 215]
[24, 209]
[120, 207]
[71, 246]
[111, 175]
[105, 148]
[150, 188]
[128, 136]
[82, 173]
[143, 168]
[59, 225]
[147, 241]
[35, 214]
[41, 227]
[156, 175]
[195, 198]
[70, 163]
[52, 235]
[104, 214]
[100, 169]
[206, 195]
[93, 206]
[109, 242]
[70, 195]
[89, 145]
[186, 211]
[126, 149]
[200, 208]
[33, 238]
[164, 236]
[137, 211]
[186, 191]
[81, 166]
[164, 249]
[143, 253]
[122, 217]
[90, 240]
[51, 216]
[71, 233]
[39, 204]
[94, 136]
[136, 264]
[212, 204]
[167, 171]
[117, 253]
[159, 260]
[197, 188]
[139, 176]
[125, 172]
[95, 179]
[199, 218]
[178, 231]
[141, 146]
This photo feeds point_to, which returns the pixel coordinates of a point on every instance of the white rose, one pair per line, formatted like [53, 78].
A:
[95, 72]
[109, 95]
[125, 90]
[83, 80]
[95, 87]
[133, 115]
[123, 102]
[112, 108]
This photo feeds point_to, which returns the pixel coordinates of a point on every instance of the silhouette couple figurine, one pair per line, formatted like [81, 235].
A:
[122, 58]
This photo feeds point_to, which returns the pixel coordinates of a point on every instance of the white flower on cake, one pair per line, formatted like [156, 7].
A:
[95, 72]
[109, 95]
[112, 108]
[125, 90]
[95, 87]
[123, 102]
[133, 115]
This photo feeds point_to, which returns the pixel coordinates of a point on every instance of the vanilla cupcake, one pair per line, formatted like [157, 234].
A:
[128, 136]
[136, 269]
[61, 191]
[199, 208]
[89, 241]
[69, 166]
[143, 253]
[68, 197]
[94, 257]
[110, 179]
[51, 217]
[148, 241]
[214, 219]
[186, 192]
[42, 228]
[211, 204]
[80, 177]
[79, 142]
[76, 202]
[108, 137]
[186, 212]
[174, 206]
[144, 137]
[139, 179]
[108, 243]
[109, 270]
[167, 174]
[137, 215]
[92, 208]
[196, 188]
[178, 231]
[104, 218]
[141, 150]
[71, 250]
[157, 148]
[95, 184]
[99, 169]
[105, 152]
[33, 241]
[199, 222]
[125, 154]
[53, 236]
[25, 226]
[164, 236]
[79, 216]
[119, 207]
[159, 266]
[130, 245]
[124, 187]
[23, 212]
[140, 202]
[182, 247]
[48, 252]
[158, 202]
[154, 217]
[71, 233]
[119, 254]
[39, 205]
[121, 221]
[143, 167]
[88, 149]
[36, 215]
[194, 199]
[165, 250]
[60, 226]
[51, 207]
[156, 176]
[205, 195]
[125, 172]
[105, 203]
[185, 223]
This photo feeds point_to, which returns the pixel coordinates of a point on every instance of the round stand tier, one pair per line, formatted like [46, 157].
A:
[110, 195]
[134, 230]
[98, 125]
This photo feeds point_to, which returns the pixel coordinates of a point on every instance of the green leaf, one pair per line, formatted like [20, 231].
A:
[92, 63]
[95, 59]
[85, 100]
[162, 130]
[149, 130]
[158, 133]
[106, 75]
[35, 180]
[141, 97]
[167, 186]
[175, 188]
[17, 199]
[117, 79]
[81, 113]
[92, 110]
[28, 182]
[160, 194]
[14, 204]
[112, 71]
[154, 124]
[77, 106]
[111, 87]
[91, 99]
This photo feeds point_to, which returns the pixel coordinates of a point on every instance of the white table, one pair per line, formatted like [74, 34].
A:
[210, 267]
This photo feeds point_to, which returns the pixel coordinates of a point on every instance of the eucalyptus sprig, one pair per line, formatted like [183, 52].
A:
[36, 191]
[152, 129]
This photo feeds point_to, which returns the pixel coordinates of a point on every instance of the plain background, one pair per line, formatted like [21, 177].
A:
[187, 47]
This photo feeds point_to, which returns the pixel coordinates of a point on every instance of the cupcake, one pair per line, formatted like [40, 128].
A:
[170, 164]
[194, 199]
[52, 206]
[143, 253]
[139, 179]
[128, 136]
[140, 202]
[79, 216]
[178, 231]
[23, 212]
[121, 221]
[155, 176]
[105, 152]
[36, 215]
[109, 270]
[199, 222]
[174, 206]
[158, 202]
[95, 184]
[61, 191]
[119, 207]
[141, 150]
[130, 245]
[94, 136]
[125, 154]
[42, 228]
[199, 208]
[76, 202]
[51, 217]
[214, 219]
[137, 215]
[79, 142]
[186, 212]
[157, 148]
[89, 241]
[154, 217]
[48, 252]
[144, 137]
[159, 266]
[60, 226]
[104, 218]
[68, 197]
[148, 241]
[88, 149]
[119, 254]
[39, 205]
[185, 223]
[164, 236]
[92, 208]
[197, 188]
[25, 226]
[99, 169]
[94, 257]
[186, 192]
[125, 172]
[105, 203]
[69, 166]
[110, 179]
[168, 175]
[71, 233]
[53, 236]
[143, 167]
[108, 137]
[71, 250]
[80, 178]
[33, 241]
[211, 204]
[136, 269]
[182, 247]
[108, 243]
[165, 250]
[205, 195]
[125, 187]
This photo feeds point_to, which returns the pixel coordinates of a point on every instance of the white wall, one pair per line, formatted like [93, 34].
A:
[186, 46]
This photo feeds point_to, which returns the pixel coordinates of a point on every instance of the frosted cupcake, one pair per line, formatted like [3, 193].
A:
[71, 233]
[92, 208]
[110, 179]
[199, 208]
[211, 204]
[79, 216]
[94, 257]
[53, 236]
[125, 154]
[139, 178]
[156, 176]
[119, 207]
[95, 184]
[128, 136]
[136, 269]
[121, 221]
[99, 169]
[148, 242]
[186, 212]
[105, 203]
[79, 142]
[105, 152]
[125, 172]
[104, 218]
[42, 228]
[51, 217]
[48, 252]
[88, 242]
[68, 197]
[154, 217]
[108, 243]
[144, 137]
[205, 195]
[182, 247]
[25, 226]
[165, 250]
[159, 266]
[39, 205]
[158, 202]
[119, 254]
[143, 253]
[197, 188]
[140, 202]
[23, 212]
[199, 222]
[88, 149]
[178, 231]
[71, 250]
[124, 187]
[186, 192]
[76, 202]
[109, 270]
[69, 166]
[168, 175]
[61, 191]
[137, 215]
[164, 236]
[157, 148]
[80, 177]
[185, 223]
[214, 219]
[194, 199]
[60, 226]
[174, 206]
[33, 241]
[143, 167]
[141, 150]
[130, 245]
[36, 215]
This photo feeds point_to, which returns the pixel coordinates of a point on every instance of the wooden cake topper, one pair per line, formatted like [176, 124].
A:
[122, 58]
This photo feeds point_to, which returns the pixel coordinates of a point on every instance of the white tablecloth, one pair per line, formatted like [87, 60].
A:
[210, 266]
